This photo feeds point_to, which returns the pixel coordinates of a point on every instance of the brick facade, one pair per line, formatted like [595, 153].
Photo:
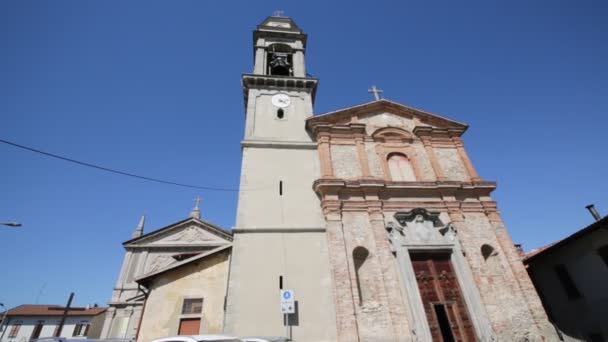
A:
[359, 200]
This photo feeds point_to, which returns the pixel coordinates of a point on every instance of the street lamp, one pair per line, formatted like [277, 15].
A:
[11, 224]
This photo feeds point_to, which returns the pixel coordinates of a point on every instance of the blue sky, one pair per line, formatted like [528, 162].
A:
[153, 88]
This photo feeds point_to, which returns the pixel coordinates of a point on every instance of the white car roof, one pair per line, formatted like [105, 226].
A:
[197, 338]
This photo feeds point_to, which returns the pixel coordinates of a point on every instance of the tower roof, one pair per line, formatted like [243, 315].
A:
[278, 26]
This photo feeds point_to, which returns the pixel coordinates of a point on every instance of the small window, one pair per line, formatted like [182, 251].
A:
[280, 113]
[603, 252]
[192, 306]
[81, 329]
[15, 329]
[567, 282]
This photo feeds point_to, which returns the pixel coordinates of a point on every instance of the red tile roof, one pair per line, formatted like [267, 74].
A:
[51, 310]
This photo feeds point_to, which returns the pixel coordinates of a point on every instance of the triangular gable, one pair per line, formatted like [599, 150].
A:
[144, 279]
[191, 231]
[386, 106]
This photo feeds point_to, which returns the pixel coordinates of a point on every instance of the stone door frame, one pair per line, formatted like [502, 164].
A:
[445, 242]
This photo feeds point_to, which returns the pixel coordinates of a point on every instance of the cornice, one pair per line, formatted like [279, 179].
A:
[434, 132]
[333, 186]
[255, 81]
[296, 145]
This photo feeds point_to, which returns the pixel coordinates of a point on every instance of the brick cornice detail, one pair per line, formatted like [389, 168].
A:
[330, 187]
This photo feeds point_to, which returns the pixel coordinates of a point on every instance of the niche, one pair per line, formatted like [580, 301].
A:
[362, 268]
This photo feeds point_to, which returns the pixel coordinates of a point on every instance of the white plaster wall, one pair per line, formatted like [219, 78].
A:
[590, 275]
[261, 206]
[253, 294]
[205, 279]
[262, 122]
[50, 323]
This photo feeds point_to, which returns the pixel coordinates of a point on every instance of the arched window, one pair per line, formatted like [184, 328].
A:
[360, 255]
[279, 60]
[280, 113]
[400, 168]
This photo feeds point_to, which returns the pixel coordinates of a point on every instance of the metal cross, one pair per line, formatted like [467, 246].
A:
[197, 200]
[376, 92]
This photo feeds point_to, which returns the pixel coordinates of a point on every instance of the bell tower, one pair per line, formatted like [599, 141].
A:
[279, 236]
[278, 94]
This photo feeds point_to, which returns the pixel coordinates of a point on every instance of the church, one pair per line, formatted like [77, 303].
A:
[373, 216]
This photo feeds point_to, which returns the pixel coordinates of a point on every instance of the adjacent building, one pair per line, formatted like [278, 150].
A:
[168, 276]
[571, 277]
[30, 321]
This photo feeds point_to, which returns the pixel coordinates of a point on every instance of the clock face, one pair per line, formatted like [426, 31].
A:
[281, 100]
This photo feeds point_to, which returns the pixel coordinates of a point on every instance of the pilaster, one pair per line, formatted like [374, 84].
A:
[466, 161]
[346, 317]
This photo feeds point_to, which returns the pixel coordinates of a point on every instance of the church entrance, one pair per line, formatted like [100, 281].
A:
[444, 305]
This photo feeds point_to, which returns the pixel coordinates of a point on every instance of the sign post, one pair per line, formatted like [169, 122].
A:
[288, 305]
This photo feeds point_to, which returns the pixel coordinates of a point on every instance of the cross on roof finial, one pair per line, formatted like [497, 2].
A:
[376, 92]
[278, 13]
[196, 211]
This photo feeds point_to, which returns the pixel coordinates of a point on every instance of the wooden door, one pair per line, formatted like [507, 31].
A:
[189, 326]
[444, 305]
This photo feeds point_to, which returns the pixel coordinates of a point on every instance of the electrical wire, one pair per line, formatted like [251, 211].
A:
[116, 171]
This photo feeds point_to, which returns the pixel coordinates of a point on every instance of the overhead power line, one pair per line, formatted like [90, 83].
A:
[116, 171]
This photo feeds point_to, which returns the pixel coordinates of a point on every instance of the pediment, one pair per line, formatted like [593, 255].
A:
[385, 113]
[191, 232]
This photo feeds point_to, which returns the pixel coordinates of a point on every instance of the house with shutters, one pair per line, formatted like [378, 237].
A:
[30, 321]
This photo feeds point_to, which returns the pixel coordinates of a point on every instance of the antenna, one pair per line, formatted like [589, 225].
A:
[40, 292]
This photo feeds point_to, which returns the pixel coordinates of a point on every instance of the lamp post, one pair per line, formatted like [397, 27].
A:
[11, 224]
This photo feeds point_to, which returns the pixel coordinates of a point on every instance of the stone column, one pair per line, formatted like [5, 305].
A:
[430, 151]
[464, 157]
[397, 304]
[346, 319]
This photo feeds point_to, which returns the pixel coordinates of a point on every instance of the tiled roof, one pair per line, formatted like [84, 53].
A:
[51, 310]
[533, 254]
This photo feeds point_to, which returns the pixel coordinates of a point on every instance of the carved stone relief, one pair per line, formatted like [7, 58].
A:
[191, 234]
[158, 261]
